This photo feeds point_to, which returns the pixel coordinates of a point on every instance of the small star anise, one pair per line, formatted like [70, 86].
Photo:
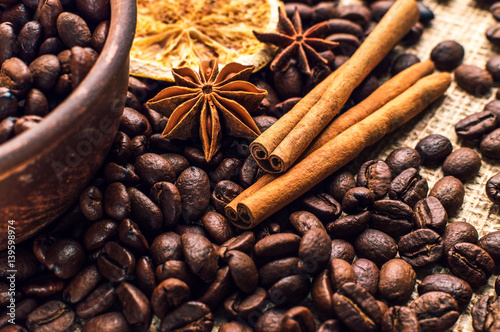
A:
[305, 46]
[201, 104]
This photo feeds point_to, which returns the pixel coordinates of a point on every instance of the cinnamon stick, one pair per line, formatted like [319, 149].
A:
[386, 92]
[339, 151]
[393, 26]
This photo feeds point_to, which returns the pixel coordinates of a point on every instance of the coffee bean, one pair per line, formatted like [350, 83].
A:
[224, 192]
[98, 302]
[397, 281]
[168, 295]
[403, 61]
[165, 247]
[26, 122]
[401, 159]
[228, 169]
[357, 308]
[366, 88]
[277, 245]
[109, 322]
[243, 270]
[490, 145]
[302, 221]
[476, 125]
[447, 55]
[421, 247]
[270, 320]
[493, 189]
[36, 103]
[433, 149]
[243, 242]
[197, 158]
[219, 228]
[484, 313]
[134, 123]
[314, 250]
[43, 286]
[99, 233]
[399, 318]
[153, 168]
[409, 187]
[46, 70]
[29, 40]
[147, 214]
[250, 172]
[95, 10]
[117, 201]
[357, 199]
[80, 64]
[219, 289]
[463, 164]
[456, 287]
[491, 244]
[471, 263]
[436, 311]
[8, 103]
[115, 262]
[430, 213]
[338, 25]
[194, 187]
[130, 235]
[288, 83]
[367, 275]
[376, 176]
[375, 246]
[13, 328]
[321, 294]
[65, 258]
[273, 271]
[191, 315]
[349, 225]
[82, 284]
[234, 327]
[91, 203]
[457, 232]
[145, 273]
[392, 217]
[17, 14]
[135, 305]
[330, 325]
[343, 250]
[73, 30]
[492, 34]
[322, 205]
[26, 263]
[450, 192]
[298, 319]
[355, 13]
[246, 306]
[52, 316]
[47, 13]
[8, 41]
[289, 290]
[340, 183]
[16, 76]
[200, 256]
[493, 67]
[474, 80]
[341, 272]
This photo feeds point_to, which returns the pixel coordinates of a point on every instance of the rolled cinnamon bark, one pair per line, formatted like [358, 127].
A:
[339, 151]
[394, 25]
[386, 92]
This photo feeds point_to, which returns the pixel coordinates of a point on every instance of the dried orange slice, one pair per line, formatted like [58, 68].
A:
[180, 33]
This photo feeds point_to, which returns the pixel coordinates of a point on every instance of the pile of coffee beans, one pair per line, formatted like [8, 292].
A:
[47, 49]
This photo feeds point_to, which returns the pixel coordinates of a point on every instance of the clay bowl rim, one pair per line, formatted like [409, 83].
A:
[60, 123]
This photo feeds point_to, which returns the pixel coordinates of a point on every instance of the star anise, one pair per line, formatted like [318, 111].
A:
[202, 103]
[294, 43]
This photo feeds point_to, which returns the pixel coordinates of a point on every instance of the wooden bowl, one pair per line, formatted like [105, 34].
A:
[43, 170]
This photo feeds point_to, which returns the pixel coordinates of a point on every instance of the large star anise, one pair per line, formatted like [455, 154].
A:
[204, 103]
[304, 46]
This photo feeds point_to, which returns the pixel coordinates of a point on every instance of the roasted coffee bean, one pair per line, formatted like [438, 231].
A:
[403, 61]
[178, 162]
[430, 213]
[99, 35]
[456, 232]
[493, 67]
[176, 269]
[314, 250]
[288, 83]
[146, 213]
[80, 64]
[357, 308]
[243, 242]
[246, 306]
[91, 203]
[322, 205]
[343, 250]
[194, 187]
[356, 13]
[117, 201]
[98, 302]
[243, 270]
[82, 284]
[263, 122]
[65, 258]
[273, 271]
[401, 159]
[376, 176]
[474, 80]
[302, 221]
[217, 226]
[277, 245]
[349, 225]
[145, 273]
[366, 88]
[341, 272]
[493, 189]
[340, 183]
[165, 247]
[26, 263]
[13, 328]
[47, 13]
[234, 327]
[16, 76]
[450, 192]
[436, 311]
[289, 290]
[167, 196]
[491, 243]
[490, 145]
[191, 315]
[73, 30]
[447, 55]
[485, 314]
[135, 305]
[338, 25]
[109, 322]
[348, 44]
[433, 149]
[330, 325]
[476, 125]
[8, 41]
[397, 280]
[408, 187]
[52, 316]
[140, 145]
[471, 263]
[17, 14]
[197, 158]
[191, 229]
[130, 235]
[8, 103]
[23, 308]
[29, 40]
[153, 168]
[36, 103]
[228, 169]
[51, 45]
[367, 273]
[357, 199]
[322, 11]
[421, 247]
[298, 319]
[224, 192]
[456, 287]
[270, 320]
[463, 164]
[250, 172]
[45, 70]
[400, 319]
[321, 294]
[96, 10]
[200, 256]
[121, 150]
[43, 286]
[376, 246]
[134, 123]
[219, 289]
[99, 233]
[492, 34]
[392, 217]
[168, 295]
[115, 262]
[26, 122]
